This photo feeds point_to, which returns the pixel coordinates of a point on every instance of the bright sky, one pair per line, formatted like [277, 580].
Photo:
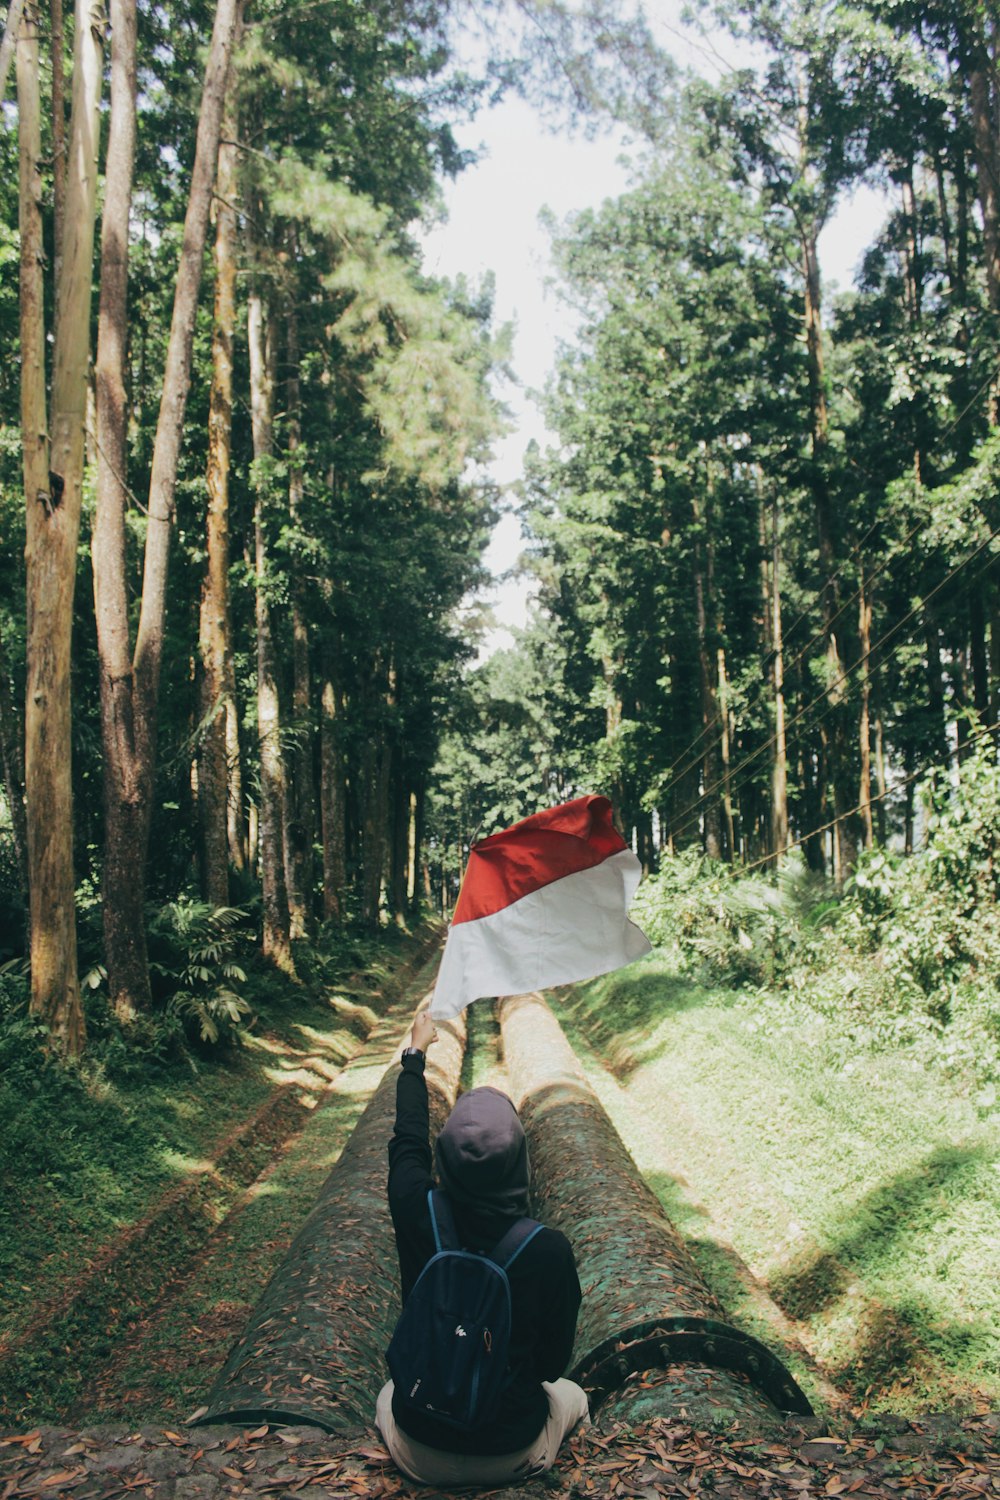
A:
[493, 225]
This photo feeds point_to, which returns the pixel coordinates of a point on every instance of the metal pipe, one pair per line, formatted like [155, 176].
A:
[313, 1350]
[646, 1306]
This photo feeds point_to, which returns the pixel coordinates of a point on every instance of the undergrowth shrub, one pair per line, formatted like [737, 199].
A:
[193, 949]
[907, 955]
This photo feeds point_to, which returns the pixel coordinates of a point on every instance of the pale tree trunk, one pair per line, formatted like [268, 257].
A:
[53, 474]
[400, 846]
[412, 851]
[983, 90]
[709, 721]
[864, 721]
[331, 803]
[124, 918]
[58, 131]
[13, 24]
[727, 796]
[128, 804]
[835, 734]
[215, 621]
[779, 764]
[276, 936]
[377, 762]
[12, 772]
[994, 658]
[300, 820]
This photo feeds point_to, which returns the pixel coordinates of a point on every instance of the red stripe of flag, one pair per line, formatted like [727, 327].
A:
[549, 845]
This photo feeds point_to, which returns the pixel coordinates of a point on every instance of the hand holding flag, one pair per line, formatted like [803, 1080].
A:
[542, 903]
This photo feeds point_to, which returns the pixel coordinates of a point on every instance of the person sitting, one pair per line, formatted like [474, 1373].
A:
[482, 1164]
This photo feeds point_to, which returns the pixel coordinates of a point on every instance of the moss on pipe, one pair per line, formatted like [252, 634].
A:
[313, 1350]
[646, 1307]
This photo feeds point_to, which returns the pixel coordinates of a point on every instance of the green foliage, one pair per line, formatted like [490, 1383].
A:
[908, 955]
[731, 929]
[193, 949]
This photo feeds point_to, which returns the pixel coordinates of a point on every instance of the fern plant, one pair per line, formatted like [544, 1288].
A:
[195, 946]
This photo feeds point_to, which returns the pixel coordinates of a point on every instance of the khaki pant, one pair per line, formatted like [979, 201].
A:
[567, 1407]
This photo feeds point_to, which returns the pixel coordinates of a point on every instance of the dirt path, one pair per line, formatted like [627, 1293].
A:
[171, 1355]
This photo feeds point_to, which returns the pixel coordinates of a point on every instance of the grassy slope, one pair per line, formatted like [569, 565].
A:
[862, 1190]
[86, 1156]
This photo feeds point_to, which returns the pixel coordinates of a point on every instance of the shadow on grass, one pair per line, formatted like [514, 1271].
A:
[905, 1356]
[871, 1230]
[620, 1012]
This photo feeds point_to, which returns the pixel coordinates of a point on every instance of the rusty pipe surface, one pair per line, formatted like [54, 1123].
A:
[313, 1350]
[646, 1306]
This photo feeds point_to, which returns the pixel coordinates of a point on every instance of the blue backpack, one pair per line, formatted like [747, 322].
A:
[449, 1353]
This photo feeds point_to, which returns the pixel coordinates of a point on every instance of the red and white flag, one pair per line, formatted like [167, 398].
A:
[543, 903]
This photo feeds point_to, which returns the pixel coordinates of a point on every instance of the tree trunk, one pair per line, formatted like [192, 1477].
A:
[122, 891]
[331, 805]
[12, 774]
[58, 131]
[11, 29]
[726, 755]
[301, 819]
[977, 649]
[779, 764]
[128, 802]
[218, 708]
[709, 724]
[53, 490]
[982, 101]
[377, 773]
[176, 381]
[276, 935]
[835, 733]
[864, 724]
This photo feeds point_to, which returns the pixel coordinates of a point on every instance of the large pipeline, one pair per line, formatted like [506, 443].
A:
[651, 1337]
[313, 1351]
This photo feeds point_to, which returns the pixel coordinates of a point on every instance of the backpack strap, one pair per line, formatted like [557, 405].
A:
[518, 1235]
[442, 1221]
[503, 1253]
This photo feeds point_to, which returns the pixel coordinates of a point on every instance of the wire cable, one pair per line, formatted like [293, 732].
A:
[727, 779]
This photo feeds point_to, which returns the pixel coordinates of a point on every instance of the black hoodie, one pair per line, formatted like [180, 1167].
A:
[482, 1147]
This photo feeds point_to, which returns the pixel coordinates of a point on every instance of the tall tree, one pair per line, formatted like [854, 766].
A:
[53, 480]
[130, 758]
[220, 790]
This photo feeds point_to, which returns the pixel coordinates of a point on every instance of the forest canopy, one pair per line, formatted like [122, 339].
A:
[245, 492]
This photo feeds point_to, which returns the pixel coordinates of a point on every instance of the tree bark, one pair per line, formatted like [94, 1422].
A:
[176, 381]
[864, 720]
[12, 774]
[129, 797]
[53, 474]
[57, 41]
[376, 777]
[779, 764]
[11, 29]
[123, 907]
[726, 756]
[331, 804]
[709, 721]
[301, 818]
[218, 714]
[276, 934]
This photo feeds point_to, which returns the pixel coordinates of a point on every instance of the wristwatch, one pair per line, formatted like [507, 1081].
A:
[411, 1052]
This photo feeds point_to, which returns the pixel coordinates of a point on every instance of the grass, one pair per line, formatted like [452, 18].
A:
[89, 1152]
[861, 1189]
